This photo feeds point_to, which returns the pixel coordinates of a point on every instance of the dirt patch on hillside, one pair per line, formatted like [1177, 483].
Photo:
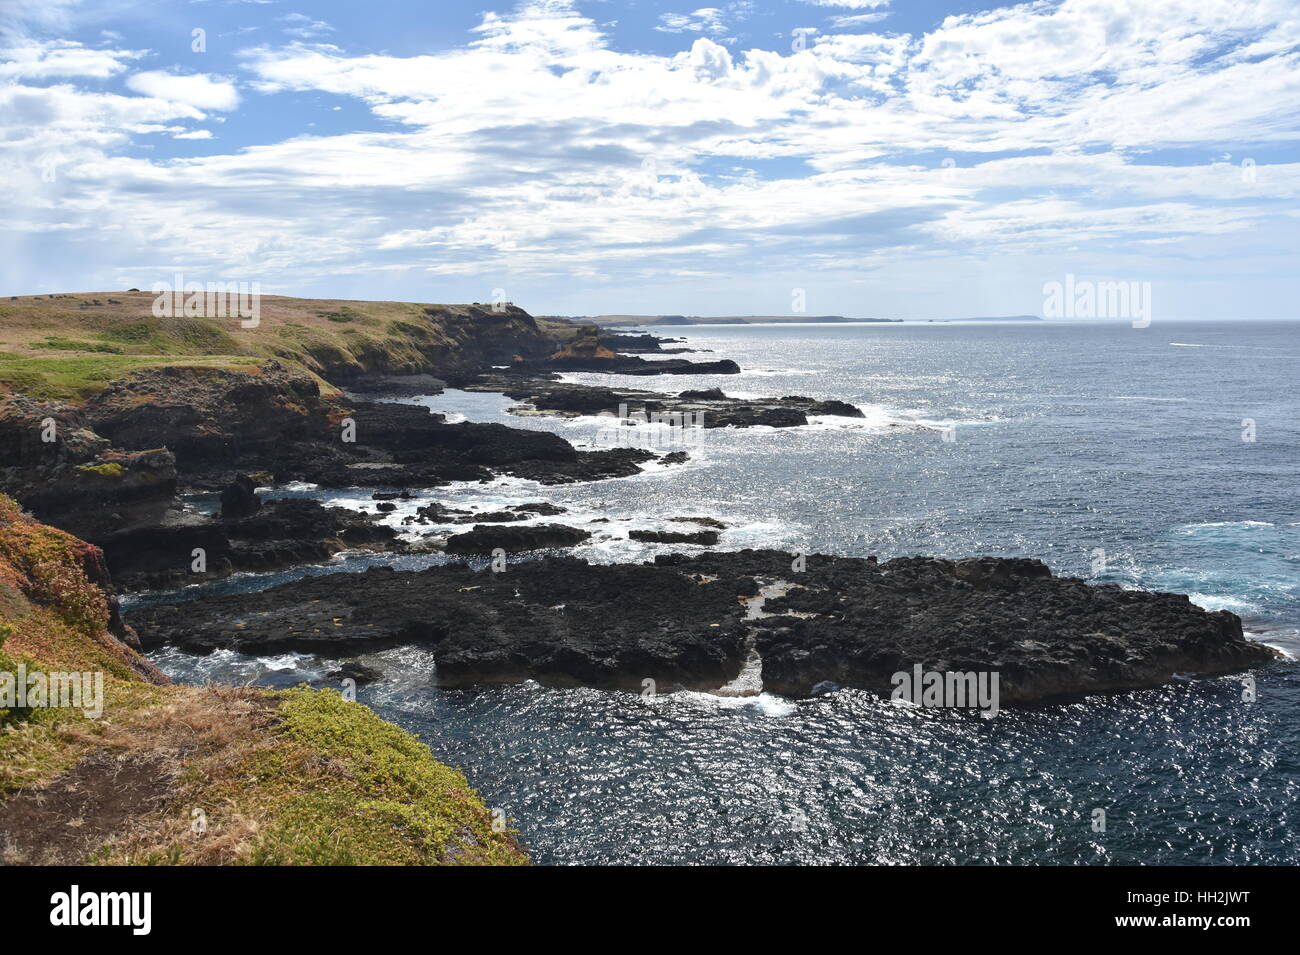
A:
[64, 821]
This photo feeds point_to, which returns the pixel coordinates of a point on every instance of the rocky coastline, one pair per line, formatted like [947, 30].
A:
[691, 622]
[123, 466]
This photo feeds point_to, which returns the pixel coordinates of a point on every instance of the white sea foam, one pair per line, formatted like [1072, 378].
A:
[1213, 602]
[764, 703]
[1189, 528]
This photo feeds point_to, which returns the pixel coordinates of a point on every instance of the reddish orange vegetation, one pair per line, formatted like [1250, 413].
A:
[584, 349]
[51, 599]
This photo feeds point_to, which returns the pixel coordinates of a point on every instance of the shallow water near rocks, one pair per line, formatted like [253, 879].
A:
[1109, 452]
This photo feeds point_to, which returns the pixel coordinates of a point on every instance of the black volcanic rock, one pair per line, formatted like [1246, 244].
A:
[630, 344]
[833, 407]
[398, 385]
[212, 417]
[710, 407]
[708, 538]
[76, 480]
[539, 507]
[678, 620]
[589, 466]
[485, 538]
[441, 513]
[239, 498]
[628, 365]
[702, 521]
[358, 672]
[492, 517]
[280, 534]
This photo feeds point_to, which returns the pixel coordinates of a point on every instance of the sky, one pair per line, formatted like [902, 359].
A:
[874, 158]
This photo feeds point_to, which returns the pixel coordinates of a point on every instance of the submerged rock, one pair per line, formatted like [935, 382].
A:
[357, 671]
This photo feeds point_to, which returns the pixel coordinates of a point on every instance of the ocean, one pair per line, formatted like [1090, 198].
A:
[1161, 458]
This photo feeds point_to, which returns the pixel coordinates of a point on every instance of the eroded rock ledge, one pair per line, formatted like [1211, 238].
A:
[691, 622]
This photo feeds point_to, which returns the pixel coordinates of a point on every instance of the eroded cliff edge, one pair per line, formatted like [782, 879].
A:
[145, 772]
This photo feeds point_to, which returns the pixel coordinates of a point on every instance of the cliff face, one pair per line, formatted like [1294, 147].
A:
[103, 404]
[138, 767]
[212, 416]
[64, 472]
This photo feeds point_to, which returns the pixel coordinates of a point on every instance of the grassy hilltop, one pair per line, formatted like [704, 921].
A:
[68, 346]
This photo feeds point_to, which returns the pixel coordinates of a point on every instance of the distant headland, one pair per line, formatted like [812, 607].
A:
[614, 321]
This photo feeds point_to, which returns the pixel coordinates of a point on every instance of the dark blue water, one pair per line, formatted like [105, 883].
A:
[1110, 452]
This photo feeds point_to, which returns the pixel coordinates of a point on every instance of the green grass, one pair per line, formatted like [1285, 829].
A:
[172, 336]
[68, 344]
[349, 788]
[109, 469]
[78, 377]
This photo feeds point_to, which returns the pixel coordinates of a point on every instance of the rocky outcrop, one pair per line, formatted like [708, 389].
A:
[53, 464]
[681, 621]
[641, 344]
[625, 365]
[707, 538]
[186, 549]
[222, 423]
[239, 498]
[711, 407]
[485, 538]
[397, 385]
[214, 418]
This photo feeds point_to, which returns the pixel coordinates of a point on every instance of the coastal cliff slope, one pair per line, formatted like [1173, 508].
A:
[151, 773]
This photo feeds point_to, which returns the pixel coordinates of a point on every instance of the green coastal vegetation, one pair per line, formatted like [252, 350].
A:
[171, 774]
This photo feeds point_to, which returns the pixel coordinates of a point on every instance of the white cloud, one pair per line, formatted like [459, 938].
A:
[704, 20]
[849, 4]
[18, 17]
[539, 149]
[304, 27]
[44, 60]
[857, 19]
[195, 89]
